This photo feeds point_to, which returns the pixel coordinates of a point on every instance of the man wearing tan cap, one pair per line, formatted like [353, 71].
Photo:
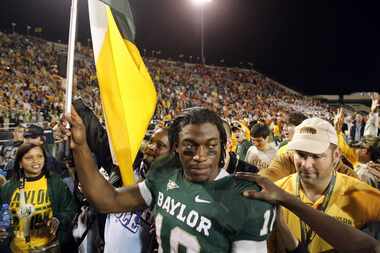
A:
[316, 183]
[283, 164]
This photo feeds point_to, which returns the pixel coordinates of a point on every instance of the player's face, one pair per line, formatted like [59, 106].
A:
[199, 149]
[315, 168]
[158, 145]
[33, 162]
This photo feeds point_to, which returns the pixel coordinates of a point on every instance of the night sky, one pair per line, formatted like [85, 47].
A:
[316, 47]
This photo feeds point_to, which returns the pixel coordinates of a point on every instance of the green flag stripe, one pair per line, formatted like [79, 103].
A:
[123, 15]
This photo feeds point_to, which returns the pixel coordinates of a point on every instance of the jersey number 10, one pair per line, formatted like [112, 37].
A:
[179, 236]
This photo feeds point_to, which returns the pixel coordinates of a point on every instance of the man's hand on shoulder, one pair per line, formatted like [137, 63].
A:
[269, 192]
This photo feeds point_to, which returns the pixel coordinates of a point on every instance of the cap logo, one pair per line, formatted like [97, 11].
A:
[308, 130]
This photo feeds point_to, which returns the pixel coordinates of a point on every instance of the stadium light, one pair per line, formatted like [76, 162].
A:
[28, 27]
[201, 4]
[13, 27]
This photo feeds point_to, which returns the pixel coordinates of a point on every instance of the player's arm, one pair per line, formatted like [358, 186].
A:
[284, 234]
[342, 237]
[100, 192]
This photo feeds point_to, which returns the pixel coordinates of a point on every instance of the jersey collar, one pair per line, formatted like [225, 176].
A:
[222, 173]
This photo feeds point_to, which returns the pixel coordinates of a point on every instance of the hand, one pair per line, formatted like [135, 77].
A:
[270, 192]
[339, 120]
[3, 180]
[3, 235]
[40, 229]
[53, 225]
[77, 131]
[375, 101]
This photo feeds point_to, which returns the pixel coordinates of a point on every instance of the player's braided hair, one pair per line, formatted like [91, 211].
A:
[198, 115]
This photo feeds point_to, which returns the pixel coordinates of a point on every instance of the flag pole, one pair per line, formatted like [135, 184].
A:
[70, 67]
[70, 56]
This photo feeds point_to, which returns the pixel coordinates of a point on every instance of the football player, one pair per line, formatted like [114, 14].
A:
[198, 206]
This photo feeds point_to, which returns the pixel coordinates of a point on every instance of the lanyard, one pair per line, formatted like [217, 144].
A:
[21, 189]
[25, 211]
[306, 233]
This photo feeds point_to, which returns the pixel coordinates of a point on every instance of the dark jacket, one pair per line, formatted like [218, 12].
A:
[242, 149]
[353, 130]
[63, 203]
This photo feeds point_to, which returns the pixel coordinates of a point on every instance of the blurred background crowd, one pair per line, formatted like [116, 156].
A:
[261, 113]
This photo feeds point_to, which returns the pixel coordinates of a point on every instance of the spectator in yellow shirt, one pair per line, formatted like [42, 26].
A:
[317, 184]
[343, 237]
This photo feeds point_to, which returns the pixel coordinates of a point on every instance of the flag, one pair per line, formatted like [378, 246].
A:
[127, 91]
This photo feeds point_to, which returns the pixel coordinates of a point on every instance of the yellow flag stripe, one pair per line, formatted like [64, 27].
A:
[128, 96]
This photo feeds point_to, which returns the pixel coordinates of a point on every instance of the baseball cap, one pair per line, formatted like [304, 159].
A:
[33, 131]
[314, 136]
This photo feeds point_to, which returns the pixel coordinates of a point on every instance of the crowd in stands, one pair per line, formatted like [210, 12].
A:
[33, 89]
[261, 116]
[227, 91]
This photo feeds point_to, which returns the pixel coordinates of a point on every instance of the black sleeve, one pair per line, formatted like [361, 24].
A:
[236, 165]
[97, 138]
[246, 167]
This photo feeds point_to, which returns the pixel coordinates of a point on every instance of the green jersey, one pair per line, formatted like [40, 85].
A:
[205, 217]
